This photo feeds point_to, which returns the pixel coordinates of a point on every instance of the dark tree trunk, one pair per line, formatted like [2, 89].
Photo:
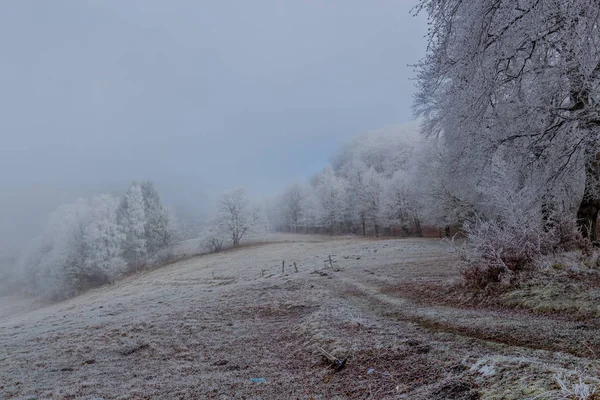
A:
[364, 228]
[406, 230]
[587, 214]
[418, 227]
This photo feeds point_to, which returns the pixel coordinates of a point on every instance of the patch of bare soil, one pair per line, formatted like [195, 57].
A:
[358, 320]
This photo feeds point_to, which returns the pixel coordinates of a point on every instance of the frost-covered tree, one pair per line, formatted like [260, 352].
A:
[92, 242]
[385, 150]
[331, 193]
[349, 194]
[291, 204]
[147, 223]
[131, 217]
[67, 265]
[403, 203]
[295, 209]
[274, 213]
[80, 248]
[364, 189]
[158, 221]
[517, 79]
[447, 196]
[236, 216]
[373, 200]
[104, 239]
[311, 208]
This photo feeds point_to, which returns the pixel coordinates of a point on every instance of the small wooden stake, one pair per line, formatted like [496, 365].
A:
[336, 363]
[283, 267]
[295, 266]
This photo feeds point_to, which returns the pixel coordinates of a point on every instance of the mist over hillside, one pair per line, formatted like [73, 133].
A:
[197, 98]
[300, 199]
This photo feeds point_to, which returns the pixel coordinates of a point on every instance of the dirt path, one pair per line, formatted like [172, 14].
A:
[203, 327]
[510, 327]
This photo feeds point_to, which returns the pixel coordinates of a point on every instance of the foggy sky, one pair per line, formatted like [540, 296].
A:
[196, 95]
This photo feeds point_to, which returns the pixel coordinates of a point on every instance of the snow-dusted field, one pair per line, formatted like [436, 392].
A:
[204, 327]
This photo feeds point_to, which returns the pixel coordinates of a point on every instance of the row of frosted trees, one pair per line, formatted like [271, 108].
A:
[509, 99]
[92, 242]
[375, 185]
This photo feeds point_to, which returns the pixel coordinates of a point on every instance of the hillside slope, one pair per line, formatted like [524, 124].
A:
[203, 327]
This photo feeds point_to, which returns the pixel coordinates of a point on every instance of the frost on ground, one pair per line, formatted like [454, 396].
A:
[206, 326]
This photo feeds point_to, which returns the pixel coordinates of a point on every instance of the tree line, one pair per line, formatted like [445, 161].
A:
[95, 241]
[508, 96]
[371, 187]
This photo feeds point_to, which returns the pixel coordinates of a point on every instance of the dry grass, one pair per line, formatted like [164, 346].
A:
[202, 327]
[574, 295]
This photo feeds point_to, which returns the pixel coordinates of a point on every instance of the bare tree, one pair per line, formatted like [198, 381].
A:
[236, 217]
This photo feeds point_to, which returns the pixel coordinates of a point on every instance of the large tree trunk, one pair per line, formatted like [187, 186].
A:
[587, 214]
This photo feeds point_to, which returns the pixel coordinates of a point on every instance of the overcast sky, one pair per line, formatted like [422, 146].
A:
[195, 95]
